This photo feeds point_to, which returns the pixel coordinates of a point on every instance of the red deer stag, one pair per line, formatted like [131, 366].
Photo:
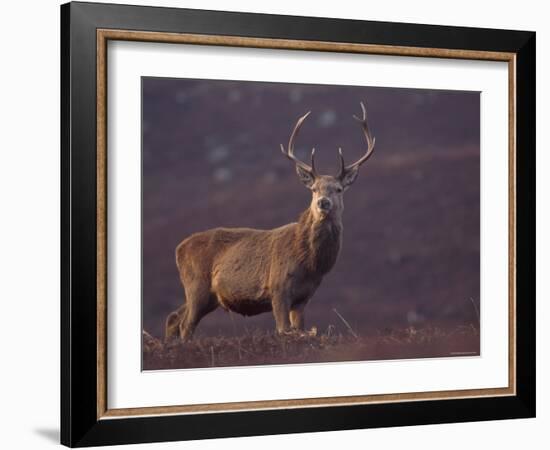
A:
[251, 271]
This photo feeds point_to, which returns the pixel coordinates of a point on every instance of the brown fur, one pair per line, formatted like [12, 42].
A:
[251, 271]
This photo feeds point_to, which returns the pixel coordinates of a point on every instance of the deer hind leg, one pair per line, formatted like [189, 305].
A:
[172, 326]
[200, 302]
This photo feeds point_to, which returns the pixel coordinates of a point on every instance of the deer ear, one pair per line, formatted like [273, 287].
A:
[349, 177]
[305, 176]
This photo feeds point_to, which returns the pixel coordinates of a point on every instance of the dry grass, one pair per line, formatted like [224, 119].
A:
[260, 347]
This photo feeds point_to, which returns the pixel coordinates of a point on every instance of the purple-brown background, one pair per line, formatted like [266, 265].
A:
[410, 255]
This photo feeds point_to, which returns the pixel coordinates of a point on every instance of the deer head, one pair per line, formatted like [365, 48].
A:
[327, 190]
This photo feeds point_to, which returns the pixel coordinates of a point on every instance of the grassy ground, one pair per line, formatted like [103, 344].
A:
[260, 347]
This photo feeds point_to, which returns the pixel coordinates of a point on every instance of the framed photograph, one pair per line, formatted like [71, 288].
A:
[214, 285]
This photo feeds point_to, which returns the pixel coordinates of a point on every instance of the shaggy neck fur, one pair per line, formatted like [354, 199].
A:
[318, 241]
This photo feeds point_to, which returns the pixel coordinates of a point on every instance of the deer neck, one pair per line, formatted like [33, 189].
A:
[319, 241]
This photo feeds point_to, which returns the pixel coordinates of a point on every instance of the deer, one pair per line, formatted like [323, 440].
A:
[251, 271]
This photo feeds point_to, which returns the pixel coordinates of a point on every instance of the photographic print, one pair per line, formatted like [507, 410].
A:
[249, 256]
[340, 203]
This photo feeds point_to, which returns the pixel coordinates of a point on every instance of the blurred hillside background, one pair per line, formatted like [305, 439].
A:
[410, 254]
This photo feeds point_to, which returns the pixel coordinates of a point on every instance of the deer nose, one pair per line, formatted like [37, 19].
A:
[324, 204]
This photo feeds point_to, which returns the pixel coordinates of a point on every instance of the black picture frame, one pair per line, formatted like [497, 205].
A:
[80, 425]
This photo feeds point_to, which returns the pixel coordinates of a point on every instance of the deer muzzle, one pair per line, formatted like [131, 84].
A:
[324, 204]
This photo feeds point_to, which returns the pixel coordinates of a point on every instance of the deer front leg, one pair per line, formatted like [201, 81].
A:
[281, 314]
[297, 317]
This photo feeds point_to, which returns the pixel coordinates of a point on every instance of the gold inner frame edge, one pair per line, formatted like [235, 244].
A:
[104, 35]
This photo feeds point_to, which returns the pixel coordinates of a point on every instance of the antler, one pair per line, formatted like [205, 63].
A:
[289, 153]
[370, 144]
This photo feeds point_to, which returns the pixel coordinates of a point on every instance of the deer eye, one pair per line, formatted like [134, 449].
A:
[339, 190]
